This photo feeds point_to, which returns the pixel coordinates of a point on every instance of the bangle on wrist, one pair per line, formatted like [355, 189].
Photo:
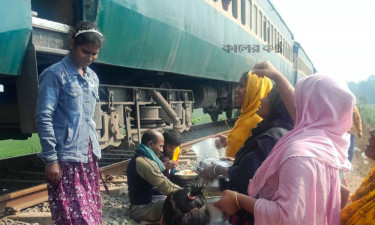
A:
[215, 169]
[238, 205]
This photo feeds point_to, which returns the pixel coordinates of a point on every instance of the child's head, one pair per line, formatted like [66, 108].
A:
[185, 207]
[87, 33]
[172, 139]
[86, 43]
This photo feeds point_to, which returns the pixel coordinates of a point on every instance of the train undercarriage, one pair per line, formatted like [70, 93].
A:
[131, 100]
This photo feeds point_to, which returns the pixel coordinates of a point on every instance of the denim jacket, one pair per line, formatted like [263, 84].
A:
[65, 111]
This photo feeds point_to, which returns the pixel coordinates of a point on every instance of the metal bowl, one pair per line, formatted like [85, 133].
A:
[182, 176]
[206, 162]
[186, 177]
[184, 180]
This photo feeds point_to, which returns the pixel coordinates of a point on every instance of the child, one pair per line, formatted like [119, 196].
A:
[68, 93]
[185, 207]
[172, 141]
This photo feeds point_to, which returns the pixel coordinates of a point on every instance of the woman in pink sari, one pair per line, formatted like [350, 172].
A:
[299, 181]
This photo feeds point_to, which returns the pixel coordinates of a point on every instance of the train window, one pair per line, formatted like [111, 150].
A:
[234, 8]
[287, 52]
[274, 37]
[256, 19]
[260, 24]
[268, 32]
[271, 41]
[265, 29]
[284, 47]
[291, 53]
[243, 12]
[1, 88]
[225, 4]
[250, 12]
[278, 38]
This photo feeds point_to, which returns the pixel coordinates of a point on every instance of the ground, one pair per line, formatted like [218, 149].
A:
[361, 164]
[116, 207]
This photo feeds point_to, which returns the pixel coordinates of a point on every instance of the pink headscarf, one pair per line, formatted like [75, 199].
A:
[323, 116]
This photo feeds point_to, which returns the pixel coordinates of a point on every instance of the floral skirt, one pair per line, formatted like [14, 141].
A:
[75, 199]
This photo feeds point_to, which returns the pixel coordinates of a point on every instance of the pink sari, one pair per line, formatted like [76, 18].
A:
[299, 181]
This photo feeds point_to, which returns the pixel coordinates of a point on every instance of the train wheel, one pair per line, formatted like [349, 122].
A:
[229, 114]
[214, 116]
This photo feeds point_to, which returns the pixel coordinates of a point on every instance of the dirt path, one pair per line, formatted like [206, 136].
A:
[361, 164]
[355, 177]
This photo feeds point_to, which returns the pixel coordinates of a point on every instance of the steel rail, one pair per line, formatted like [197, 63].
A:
[15, 201]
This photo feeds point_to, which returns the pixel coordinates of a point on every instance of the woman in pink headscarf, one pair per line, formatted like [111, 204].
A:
[299, 181]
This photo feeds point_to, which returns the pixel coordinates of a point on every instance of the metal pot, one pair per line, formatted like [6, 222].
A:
[183, 180]
[217, 184]
[215, 213]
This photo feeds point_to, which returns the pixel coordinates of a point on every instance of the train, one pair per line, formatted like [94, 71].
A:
[160, 60]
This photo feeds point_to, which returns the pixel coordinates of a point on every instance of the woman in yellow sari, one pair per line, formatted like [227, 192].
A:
[362, 209]
[248, 93]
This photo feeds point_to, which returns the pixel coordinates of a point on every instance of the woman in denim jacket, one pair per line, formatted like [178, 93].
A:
[68, 92]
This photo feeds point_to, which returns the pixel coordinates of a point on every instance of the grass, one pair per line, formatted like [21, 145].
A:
[12, 148]
[198, 117]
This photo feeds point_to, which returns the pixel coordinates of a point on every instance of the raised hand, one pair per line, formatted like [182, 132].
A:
[170, 164]
[222, 142]
[284, 87]
[266, 69]
[208, 173]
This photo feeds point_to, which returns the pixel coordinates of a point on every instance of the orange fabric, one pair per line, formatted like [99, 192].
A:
[362, 209]
[357, 122]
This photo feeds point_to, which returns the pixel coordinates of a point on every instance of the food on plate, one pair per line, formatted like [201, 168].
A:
[186, 172]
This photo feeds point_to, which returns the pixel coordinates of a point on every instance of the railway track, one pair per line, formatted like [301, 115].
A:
[26, 171]
[114, 163]
[114, 155]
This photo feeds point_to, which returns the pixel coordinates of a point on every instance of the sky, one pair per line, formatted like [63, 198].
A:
[338, 36]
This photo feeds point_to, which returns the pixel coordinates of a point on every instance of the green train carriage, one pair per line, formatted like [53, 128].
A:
[161, 59]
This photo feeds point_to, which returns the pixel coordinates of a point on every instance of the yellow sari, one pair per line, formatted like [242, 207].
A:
[256, 89]
[362, 209]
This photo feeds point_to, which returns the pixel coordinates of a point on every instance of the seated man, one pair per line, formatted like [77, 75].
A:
[146, 181]
[172, 140]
